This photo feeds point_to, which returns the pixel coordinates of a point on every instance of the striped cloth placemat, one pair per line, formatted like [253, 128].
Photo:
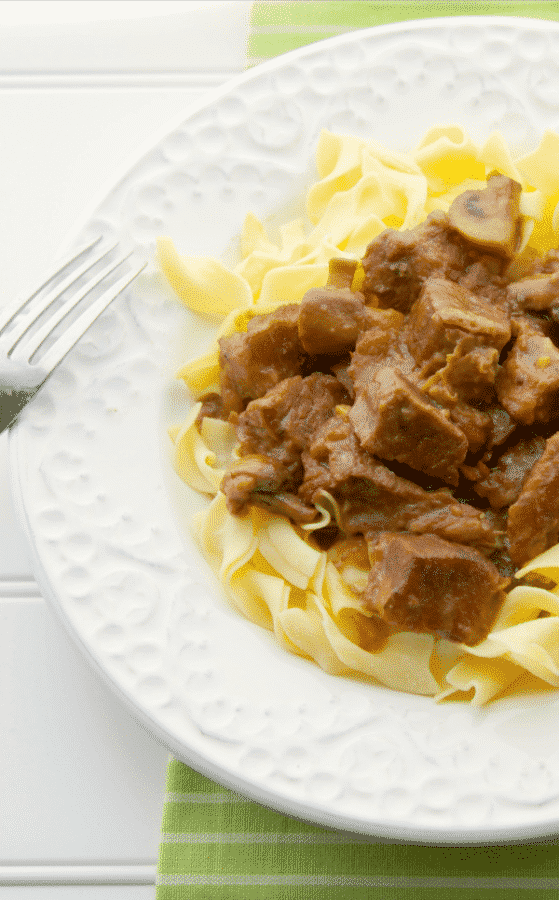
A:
[278, 25]
[217, 845]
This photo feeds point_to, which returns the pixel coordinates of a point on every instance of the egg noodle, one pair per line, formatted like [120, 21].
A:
[267, 567]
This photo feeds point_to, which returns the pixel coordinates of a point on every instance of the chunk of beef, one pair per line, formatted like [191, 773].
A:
[254, 361]
[265, 482]
[474, 470]
[504, 481]
[316, 401]
[533, 520]
[425, 584]
[528, 382]
[536, 287]
[372, 498]
[476, 424]
[282, 422]
[536, 293]
[546, 265]
[489, 218]
[260, 429]
[502, 426]
[471, 370]
[448, 319]
[536, 579]
[395, 421]
[397, 263]
[212, 408]
[501, 559]
[379, 346]
[487, 279]
[341, 372]
[272, 431]
[530, 321]
[330, 320]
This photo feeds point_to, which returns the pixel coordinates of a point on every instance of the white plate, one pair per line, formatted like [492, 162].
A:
[107, 518]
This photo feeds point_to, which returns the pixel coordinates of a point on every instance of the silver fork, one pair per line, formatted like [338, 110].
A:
[38, 332]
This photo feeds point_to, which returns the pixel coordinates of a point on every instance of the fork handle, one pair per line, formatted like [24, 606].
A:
[19, 377]
[11, 404]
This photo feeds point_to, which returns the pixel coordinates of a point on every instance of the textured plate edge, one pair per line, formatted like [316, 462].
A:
[123, 170]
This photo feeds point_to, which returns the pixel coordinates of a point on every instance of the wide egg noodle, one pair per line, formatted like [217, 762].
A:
[338, 595]
[254, 237]
[496, 156]
[258, 593]
[201, 374]
[287, 284]
[204, 284]
[363, 233]
[546, 563]
[255, 593]
[380, 194]
[202, 456]
[292, 247]
[520, 640]
[227, 542]
[540, 169]
[306, 630]
[380, 189]
[361, 640]
[287, 553]
[534, 645]
[401, 195]
[447, 156]
[346, 586]
[403, 663]
[221, 440]
[524, 603]
[266, 567]
[479, 680]
[231, 547]
[192, 459]
[338, 162]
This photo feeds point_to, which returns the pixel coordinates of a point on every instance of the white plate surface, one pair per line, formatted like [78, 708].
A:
[106, 516]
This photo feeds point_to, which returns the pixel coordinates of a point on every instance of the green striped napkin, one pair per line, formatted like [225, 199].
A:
[277, 27]
[217, 845]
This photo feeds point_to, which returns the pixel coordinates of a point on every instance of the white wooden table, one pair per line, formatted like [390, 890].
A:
[82, 87]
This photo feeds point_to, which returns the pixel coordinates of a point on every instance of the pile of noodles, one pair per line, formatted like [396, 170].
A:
[269, 570]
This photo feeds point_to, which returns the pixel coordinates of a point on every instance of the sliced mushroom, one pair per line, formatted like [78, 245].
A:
[489, 218]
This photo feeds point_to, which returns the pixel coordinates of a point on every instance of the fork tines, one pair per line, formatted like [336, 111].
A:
[66, 304]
